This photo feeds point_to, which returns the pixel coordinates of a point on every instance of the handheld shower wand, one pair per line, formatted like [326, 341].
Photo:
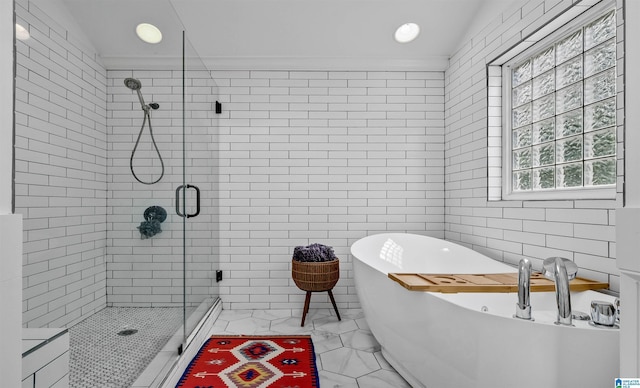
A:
[136, 85]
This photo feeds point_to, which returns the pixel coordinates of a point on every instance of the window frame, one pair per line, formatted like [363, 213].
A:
[500, 179]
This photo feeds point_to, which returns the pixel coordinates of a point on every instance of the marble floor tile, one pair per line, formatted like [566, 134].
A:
[323, 341]
[384, 364]
[233, 315]
[347, 353]
[248, 326]
[351, 314]
[382, 379]
[333, 325]
[291, 326]
[361, 340]
[313, 314]
[334, 380]
[349, 362]
[272, 315]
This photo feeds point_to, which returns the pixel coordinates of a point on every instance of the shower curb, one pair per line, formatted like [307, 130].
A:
[167, 367]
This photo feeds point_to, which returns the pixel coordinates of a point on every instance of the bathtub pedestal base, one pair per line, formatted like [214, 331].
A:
[307, 299]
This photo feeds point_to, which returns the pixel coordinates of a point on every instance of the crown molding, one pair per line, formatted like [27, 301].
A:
[278, 63]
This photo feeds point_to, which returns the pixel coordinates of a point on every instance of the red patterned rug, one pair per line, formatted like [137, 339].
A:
[253, 362]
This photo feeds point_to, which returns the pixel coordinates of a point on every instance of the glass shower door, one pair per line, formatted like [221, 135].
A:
[196, 196]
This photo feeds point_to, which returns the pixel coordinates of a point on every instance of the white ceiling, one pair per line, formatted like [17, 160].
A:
[284, 34]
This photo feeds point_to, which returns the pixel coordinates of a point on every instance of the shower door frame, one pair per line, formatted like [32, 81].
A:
[182, 210]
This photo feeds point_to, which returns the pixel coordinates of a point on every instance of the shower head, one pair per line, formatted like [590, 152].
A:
[132, 83]
[135, 84]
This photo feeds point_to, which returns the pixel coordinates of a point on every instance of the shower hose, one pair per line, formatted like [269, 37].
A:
[147, 118]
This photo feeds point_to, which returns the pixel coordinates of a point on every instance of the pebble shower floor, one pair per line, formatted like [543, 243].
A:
[102, 358]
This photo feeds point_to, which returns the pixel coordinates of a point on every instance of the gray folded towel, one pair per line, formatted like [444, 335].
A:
[313, 253]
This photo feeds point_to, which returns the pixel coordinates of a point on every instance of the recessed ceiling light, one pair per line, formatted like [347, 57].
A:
[149, 33]
[407, 32]
[21, 32]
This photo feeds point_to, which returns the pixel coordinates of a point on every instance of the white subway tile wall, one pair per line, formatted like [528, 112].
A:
[295, 158]
[583, 231]
[61, 167]
[149, 272]
[326, 157]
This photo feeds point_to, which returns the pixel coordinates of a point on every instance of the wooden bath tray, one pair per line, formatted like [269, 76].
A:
[497, 282]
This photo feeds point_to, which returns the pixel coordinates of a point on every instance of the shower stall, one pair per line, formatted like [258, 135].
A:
[120, 203]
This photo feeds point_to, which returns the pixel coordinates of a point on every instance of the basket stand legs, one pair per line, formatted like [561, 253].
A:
[333, 302]
[307, 299]
[306, 307]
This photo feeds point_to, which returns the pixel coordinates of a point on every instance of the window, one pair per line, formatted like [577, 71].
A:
[558, 102]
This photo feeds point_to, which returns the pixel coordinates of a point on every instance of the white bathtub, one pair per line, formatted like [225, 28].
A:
[445, 340]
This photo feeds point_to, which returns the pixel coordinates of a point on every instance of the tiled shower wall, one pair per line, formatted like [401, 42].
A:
[583, 231]
[326, 157]
[148, 272]
[60, 172]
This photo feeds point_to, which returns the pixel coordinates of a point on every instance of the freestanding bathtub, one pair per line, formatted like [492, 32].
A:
[439, 340]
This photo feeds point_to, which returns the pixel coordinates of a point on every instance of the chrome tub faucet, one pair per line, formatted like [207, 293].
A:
[561, 270]
[523, 307]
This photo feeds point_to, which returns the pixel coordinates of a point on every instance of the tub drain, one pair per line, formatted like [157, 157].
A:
[127, 332]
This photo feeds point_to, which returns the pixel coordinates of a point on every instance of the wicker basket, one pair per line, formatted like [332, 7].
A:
[315, 276]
